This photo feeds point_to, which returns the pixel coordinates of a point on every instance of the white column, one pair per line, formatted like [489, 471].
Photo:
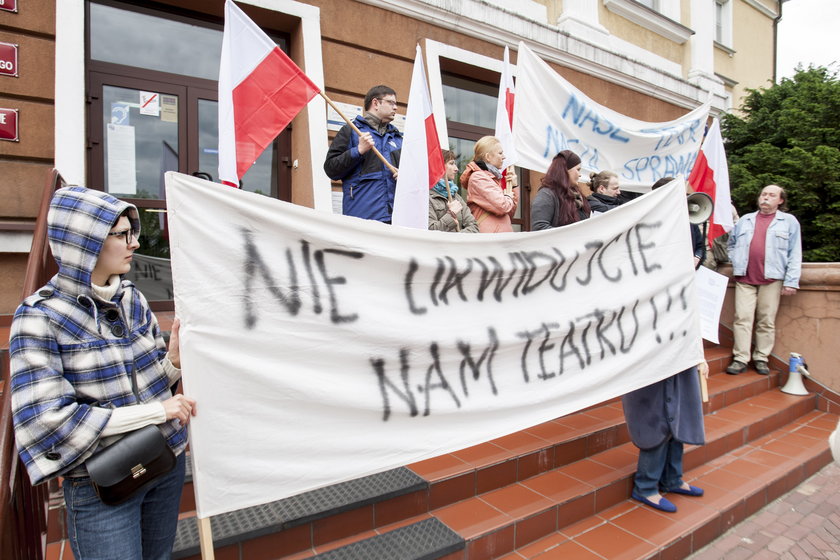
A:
[70, 108]
[702, 70]
[580, 19]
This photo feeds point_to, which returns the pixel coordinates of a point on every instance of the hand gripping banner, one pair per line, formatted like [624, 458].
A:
[321, 348]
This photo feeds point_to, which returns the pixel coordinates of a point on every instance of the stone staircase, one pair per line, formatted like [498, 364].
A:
[557, 490]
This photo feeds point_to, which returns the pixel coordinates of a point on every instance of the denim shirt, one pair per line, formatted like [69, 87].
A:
[782, 249]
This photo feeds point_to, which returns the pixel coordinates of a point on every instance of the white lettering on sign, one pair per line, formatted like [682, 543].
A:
[9, 124]
[8, 59]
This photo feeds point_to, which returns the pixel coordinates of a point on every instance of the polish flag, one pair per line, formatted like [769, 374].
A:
[421, 160]
[260, 92]
[710, 175]
[504, 113]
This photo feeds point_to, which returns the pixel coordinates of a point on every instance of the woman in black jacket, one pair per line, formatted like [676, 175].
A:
[559, 201]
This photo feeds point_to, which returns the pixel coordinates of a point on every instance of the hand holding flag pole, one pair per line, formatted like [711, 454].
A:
[359, 132]
[260, 92]
[510, 175]
[451, 200]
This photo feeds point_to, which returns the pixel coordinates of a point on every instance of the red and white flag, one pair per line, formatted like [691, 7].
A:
[421, 161]
[504, 113]
[260, 92]
[710, 175]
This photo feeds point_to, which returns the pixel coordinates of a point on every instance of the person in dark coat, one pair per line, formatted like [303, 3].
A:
[661, 418]
[367, 185]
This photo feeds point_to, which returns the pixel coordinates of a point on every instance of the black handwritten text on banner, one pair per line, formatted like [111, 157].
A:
[304, 331]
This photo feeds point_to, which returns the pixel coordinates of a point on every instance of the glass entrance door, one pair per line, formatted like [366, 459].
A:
[153, 109]
[140, 139]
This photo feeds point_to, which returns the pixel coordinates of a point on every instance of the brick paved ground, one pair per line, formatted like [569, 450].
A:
[801, 525]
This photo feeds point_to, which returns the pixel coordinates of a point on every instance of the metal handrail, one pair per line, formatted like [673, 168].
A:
[23, 507]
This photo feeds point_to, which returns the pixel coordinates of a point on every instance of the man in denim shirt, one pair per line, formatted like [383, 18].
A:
[766, 253]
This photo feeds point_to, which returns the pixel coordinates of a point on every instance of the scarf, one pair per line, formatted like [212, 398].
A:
[440, 188]
[376, 123]
[494, 170]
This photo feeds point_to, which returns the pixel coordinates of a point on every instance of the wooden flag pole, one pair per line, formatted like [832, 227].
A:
[511, 172]
[704, 389]
[515, 182]
[357, 131]
[205, 539]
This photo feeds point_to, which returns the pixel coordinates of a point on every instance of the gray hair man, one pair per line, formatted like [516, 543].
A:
[765, 248]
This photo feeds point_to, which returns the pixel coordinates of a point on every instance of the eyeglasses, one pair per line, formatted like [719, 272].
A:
[129, 234]
[390, 102]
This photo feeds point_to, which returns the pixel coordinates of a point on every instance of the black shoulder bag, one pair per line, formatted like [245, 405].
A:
[130, 464]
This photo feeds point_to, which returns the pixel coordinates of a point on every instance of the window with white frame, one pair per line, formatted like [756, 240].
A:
[723, 22]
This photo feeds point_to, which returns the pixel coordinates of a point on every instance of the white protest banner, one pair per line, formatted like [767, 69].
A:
[551, 115]
[321, 348]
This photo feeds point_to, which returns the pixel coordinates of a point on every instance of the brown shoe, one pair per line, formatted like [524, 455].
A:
[762, 367]
[736, 367]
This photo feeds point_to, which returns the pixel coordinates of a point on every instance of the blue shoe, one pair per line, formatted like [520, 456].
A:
[663, 505]
[690, 491]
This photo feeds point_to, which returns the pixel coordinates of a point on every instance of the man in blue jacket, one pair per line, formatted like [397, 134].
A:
[766, 253]
[367, 184]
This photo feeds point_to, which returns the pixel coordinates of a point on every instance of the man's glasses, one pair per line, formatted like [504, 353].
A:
[129, 234]
[388, 101]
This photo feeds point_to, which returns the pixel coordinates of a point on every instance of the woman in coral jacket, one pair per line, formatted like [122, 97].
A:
[492, 206]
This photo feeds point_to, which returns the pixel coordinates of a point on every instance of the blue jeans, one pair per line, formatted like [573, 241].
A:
[142, 528]
[659, 467]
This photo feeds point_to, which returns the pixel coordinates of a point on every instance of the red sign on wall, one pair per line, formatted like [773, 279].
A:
[9, 124]
[8, 59]
[8, 5]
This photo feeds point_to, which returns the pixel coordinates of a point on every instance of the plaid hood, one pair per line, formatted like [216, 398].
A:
[77, 225]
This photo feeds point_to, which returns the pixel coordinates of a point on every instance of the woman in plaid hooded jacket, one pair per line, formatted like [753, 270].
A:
[88, 365]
